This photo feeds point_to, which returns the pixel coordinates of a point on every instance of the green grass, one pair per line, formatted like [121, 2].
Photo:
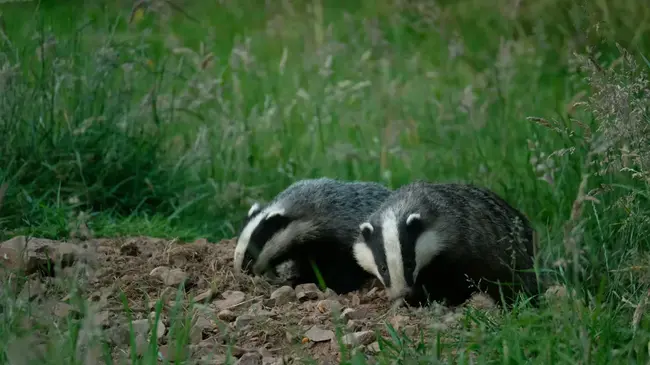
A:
[172, 125]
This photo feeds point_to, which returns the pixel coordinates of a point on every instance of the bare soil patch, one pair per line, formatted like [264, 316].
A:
[217, 314]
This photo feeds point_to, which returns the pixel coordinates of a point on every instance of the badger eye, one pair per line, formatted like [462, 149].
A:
[383, 269]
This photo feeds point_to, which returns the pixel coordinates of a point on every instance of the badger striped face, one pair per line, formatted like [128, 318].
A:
[261, 225]
[395, 250]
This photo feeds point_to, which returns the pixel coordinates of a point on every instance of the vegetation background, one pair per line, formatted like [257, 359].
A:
[170, 117]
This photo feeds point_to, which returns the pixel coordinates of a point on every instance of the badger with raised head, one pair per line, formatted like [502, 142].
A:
[445, 241]
[310, 225]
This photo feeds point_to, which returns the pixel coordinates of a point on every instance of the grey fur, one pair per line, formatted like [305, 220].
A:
[476, 237]
[318, 220]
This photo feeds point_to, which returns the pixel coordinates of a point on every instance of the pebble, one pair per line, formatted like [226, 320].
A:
[358, 338]
[230, 299]
[317, 334]
[283, 295]
[226, 315]
[309, 291]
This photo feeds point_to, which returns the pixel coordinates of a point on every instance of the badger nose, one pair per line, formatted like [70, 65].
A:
[401, 293]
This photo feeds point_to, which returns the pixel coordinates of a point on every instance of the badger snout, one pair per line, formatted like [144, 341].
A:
[395, 294]
[247, 263]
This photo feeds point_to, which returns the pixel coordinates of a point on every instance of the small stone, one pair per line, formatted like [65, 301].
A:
[230, 299]
[160, 329]
[282, 295]
[141, 344]
[250, 358]
[317, 334]
[328, 305]
[170, 277]
[257, 309]
[140, 326]
[205, 296]
[398, 321]
[358, 338]
[307, 291]
[353, 325]
[201, 324]
[243, 321]
[352, 313]
[373, 347]
[226, 315]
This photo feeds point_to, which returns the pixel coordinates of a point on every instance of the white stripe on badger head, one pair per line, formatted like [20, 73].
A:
[245, 236]
[394, 260]
[427, 246]
[366, 260]
[281, 242]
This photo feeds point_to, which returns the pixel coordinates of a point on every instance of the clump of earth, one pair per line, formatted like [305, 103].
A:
[187, 293]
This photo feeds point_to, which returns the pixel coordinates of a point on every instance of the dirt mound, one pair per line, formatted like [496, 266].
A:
[203, 306]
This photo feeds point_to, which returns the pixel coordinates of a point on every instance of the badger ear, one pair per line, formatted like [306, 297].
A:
[275, 213]
[366, 230]
[414, 220]
[255, 208]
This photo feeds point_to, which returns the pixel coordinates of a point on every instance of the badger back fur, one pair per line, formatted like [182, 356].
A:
[443, 242]
[312, 222]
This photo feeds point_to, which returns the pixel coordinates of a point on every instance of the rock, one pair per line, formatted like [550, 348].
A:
[141, 345]
[130, 248]
[160, 326]
[282, 295]
[317, 334]
[352, 313]
[226, 315]
[38, 254]
[398, 321]
[250, 358]
[353, 325]
[243, 321]
[201, 324]
[257, 310]
[307, 291]
[373, 347]
[140, 327]
[358, 338]
[170, 277]
[205, 296]
[328, 305]
[230, 299]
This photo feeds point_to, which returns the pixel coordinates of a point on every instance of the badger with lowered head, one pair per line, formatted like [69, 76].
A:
[310, 225]
[445, 241]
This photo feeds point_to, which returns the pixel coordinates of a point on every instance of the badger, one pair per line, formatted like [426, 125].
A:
[307, 231]
[444, 242]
